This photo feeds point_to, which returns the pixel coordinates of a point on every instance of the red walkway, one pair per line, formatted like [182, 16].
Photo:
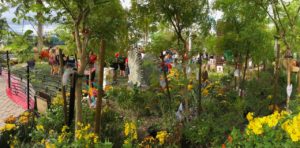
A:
[7, 106]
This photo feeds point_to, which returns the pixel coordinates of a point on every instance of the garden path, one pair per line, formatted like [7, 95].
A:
[7, 106]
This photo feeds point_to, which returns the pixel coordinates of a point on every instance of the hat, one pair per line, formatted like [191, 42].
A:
[117, 55]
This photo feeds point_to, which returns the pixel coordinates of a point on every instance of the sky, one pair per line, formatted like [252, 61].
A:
[23, 26]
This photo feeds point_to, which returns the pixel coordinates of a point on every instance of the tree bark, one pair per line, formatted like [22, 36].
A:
[63, 89]
[82, 55]
[244, 74]
[40, 27]
[100, 88]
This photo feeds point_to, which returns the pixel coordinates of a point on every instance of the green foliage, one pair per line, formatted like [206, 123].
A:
[161, 41]
[52, 118]
[112, 126]
[22, 45]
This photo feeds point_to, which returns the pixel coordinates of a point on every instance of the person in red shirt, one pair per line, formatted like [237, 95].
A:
[92, 58]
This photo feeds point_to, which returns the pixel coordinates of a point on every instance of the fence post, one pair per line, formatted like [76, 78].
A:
[8, 69]
[35, 103]
[72, 98]
[63, 88]
[28, 89]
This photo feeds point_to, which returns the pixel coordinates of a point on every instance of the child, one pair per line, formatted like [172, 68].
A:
[93, 96]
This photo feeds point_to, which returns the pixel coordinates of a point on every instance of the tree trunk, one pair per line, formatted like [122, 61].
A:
[276, 72]
[63, 88]
[82, 55]
[235, 78]
[40, 27]
[100, 88]
[184, 60]
[78, 93]
[258, 71]
[244, 74]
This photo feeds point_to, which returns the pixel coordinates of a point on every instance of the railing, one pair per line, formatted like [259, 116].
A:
[28, 85]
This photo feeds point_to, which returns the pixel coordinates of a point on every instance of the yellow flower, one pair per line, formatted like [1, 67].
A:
[64, 129]
[43, 141]
[161, 136]
[23, 119]
[270, 97]
[250, 116]
[9, 127]
[126, 141]
[95, 140]
[26, 114]
[78, 134]
[58, 100]
[205, 92]
[291, 127]
[294, 137]
[126, 129]
[61, 138]
[190, 87]
[40, 128]
[107, 88]
[49, 145]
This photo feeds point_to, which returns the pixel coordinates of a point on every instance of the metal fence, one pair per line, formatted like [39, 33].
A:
[29, 84]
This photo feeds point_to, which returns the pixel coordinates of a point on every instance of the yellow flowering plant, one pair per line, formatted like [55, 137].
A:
[16, 128]
[130, 132]
[280, 129]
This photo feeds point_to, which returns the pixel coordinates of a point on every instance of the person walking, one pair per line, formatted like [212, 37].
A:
[52, 60]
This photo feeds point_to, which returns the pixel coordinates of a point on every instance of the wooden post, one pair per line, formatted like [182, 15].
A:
[276, 71]
[28, 88]
[72, 99]
[288, 81]
[8, 69]
[200, 84]
[63, 88]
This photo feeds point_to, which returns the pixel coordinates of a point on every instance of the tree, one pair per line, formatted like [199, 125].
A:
[183, 15]
[103, 31]
[23, 10]
[243, 32]
[77, 12]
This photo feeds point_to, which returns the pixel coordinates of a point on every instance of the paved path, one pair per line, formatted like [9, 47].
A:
[7, 107]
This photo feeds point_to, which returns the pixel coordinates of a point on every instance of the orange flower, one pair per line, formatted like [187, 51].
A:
[10, 120]
[223, 146]
[229, 138]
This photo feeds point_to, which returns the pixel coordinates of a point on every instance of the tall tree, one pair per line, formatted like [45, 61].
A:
[243, 32]
[42, 15]
[104, 32]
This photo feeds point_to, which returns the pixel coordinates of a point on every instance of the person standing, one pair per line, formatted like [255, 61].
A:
[52, 60]
[114, 65]
[121, 61]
